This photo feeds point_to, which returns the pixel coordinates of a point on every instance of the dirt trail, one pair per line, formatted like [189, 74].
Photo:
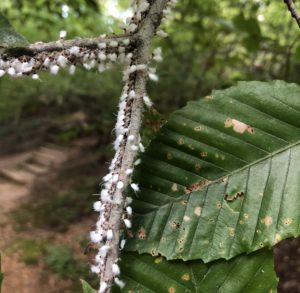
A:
[18, 174]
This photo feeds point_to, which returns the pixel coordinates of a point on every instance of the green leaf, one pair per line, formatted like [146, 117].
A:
[9, 38]
[247, 25]
[245, 273]
[222, 178]
[87, 287]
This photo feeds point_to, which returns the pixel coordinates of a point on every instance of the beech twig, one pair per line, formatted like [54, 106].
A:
[294, 13]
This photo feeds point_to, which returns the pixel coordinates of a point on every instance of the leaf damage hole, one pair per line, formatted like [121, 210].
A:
[238, 126]
[234, 197]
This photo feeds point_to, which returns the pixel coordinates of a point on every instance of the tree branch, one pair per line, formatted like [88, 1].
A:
[294, 13]
[113, 199]
[60, 54]
[61, 45]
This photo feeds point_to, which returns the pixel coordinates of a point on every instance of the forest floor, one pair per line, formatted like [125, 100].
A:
[46, 217]
[34, 256]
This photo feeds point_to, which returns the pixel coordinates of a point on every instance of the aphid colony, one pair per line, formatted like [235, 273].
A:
[115, 181]
[100, 57]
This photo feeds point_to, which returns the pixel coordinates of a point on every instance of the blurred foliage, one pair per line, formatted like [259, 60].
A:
[30, 250]
[212, 45]
[57, 211]
[60, 260]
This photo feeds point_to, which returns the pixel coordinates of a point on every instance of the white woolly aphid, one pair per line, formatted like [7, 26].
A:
[128, 171]
[147, 101]
[75, 50]
[127, 223]
[135, 187]
[161, 33]
[62, 34]
[120, 185]
[122, 243]
[103, 287]
[114, 44]
[54, 69]
[115, 178]
[134, 147]
[95, 237]
[98, 206]
[119, 283]
[115, 269]
[62, 61]
[95, 269]
[129, 210]
[72, 69]
[35, 77]
[109, 234]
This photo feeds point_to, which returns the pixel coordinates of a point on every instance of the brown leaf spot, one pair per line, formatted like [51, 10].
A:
[224, 179]
[250, 129]
[129, 233]
[228, 123]
[196, 186]
[231, 231]
[218, 204]
[180, 141]
[198, 211]
[182, 240]
[288, 221]
[185, 277]
[175, 225]
[169, 156]
[198, 168]
[268, 220]
[141, 233]
[277, 238]
[209, 98]
[174, 187]
[171, 290]
[158, 260]
[203, 154]
[191, 147]
[186, 218]
[198, 128]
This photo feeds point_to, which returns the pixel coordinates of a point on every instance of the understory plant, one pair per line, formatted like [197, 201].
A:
[200, 209]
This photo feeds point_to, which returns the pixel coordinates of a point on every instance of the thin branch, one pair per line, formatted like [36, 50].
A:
[61, 45]
[294, 13]
[52, 56]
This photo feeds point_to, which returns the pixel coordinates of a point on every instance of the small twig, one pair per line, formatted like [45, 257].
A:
[62, 44]
[294, 13]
